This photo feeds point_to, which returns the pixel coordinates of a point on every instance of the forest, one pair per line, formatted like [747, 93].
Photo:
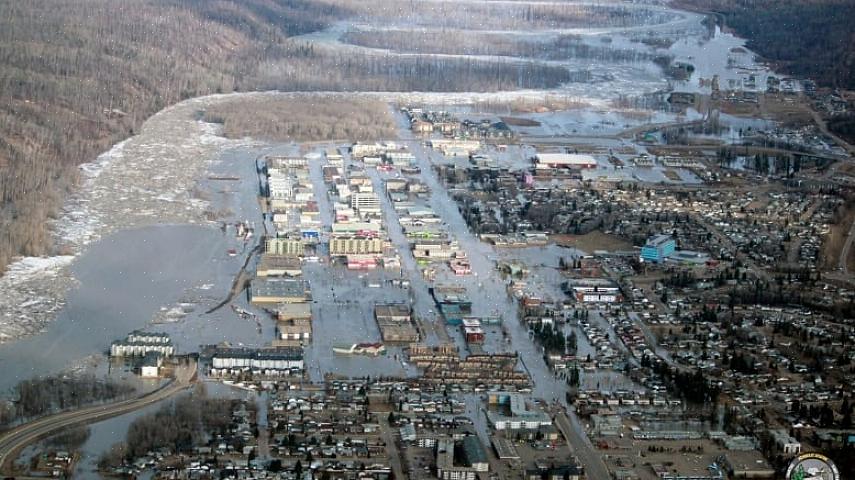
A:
[458, 42]
[807, 38]
[45, 395]
[488, 15]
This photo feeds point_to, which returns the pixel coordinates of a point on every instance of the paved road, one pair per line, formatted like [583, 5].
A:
[844, 253]
[582, 447]
[391, 446]
[15, 440]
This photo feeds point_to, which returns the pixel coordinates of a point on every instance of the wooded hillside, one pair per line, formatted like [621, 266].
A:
[76, 76]
[809, 38]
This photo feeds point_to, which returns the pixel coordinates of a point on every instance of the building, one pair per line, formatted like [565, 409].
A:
[595, 290]
[264, 290]
[453, 147]
[472, 331]
[747, 464]
[785, 444]
[333, 156]
[395, 323]
[284, 247]
[392, 312]
[453, 303]
[400, 158]
[276, 266]
[293, 311]
[295, 329]
[461, 460]
[270, 361]
[139, 344]
[516, 415]
[355, 245]
[365, 229]
[430, 249]
[365, 202]
[658, 248]
[564, 160]
[151, 364]
[555, 472]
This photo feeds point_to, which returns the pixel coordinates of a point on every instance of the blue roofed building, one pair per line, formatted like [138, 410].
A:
[658, 248]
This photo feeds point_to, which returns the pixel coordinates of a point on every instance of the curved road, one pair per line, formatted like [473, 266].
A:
[15, 440]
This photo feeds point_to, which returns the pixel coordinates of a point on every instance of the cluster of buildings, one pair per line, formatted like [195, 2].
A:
[430, 122]
[358, 235]
[293, 213]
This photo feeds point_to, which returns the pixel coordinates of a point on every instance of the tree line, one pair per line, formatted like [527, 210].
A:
[41, 396]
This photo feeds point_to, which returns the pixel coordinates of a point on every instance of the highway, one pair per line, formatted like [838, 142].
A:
[15, 440]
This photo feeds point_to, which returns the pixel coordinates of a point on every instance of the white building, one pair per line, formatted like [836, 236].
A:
[564, 160]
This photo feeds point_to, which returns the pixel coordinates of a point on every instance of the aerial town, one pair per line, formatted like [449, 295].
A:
[658, 289]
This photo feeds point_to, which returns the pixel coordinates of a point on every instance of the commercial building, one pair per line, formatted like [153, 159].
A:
[658, 248]
[453, 147]
[395, 323]
[461, 460]
[355, 245]
[365, 203]
[284, 247]
[279, 291]
[295, 329]
[365, 229]
[294, 311]
[564, 160]
[595, 290]
[516, 415]
[392, 312]
[277, 266]
[453, 303]
[472, 331]
[442, 249]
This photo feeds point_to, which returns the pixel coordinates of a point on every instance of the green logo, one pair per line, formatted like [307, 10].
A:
[812, 466]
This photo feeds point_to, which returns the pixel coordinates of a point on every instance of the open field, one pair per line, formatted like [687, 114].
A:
[595, 240]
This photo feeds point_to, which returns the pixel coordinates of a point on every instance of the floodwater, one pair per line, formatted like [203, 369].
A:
[124, 280]
[103, 435]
